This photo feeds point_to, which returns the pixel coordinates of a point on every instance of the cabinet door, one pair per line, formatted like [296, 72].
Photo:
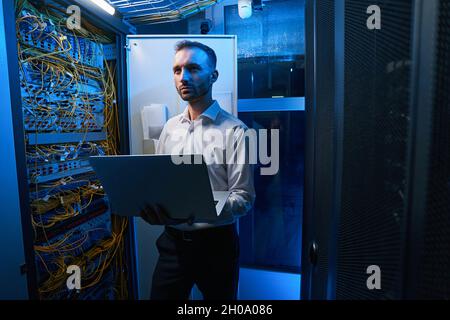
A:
[13, 284]
[359, 117]
[322, 101]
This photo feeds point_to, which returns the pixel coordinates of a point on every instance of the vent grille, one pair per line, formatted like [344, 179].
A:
[376, 125]
[435, 262]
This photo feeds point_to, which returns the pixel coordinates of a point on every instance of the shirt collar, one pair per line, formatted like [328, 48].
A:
[211, 112]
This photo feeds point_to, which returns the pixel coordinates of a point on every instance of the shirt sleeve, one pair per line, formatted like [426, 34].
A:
[161, 141]
[240, 178]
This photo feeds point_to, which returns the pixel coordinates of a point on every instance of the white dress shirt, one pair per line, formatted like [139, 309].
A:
[181, 135]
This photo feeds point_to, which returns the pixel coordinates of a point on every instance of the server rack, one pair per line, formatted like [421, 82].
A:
[109, 24]
[377, 182]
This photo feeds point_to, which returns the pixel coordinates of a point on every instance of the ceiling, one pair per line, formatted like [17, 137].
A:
[157, 11]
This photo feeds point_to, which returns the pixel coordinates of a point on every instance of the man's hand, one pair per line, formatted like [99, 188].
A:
[157, 215]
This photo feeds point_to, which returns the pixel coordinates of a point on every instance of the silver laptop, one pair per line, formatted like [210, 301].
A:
[183, 190]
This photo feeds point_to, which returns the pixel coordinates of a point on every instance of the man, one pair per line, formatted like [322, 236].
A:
[205, 254]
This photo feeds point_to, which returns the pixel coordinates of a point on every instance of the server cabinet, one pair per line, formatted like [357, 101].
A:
[429, 251]
[378, 139]
[68, 102]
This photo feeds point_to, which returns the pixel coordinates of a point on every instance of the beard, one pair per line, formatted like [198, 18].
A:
[193, 93]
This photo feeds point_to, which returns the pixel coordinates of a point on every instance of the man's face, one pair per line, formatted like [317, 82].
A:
[193, 73]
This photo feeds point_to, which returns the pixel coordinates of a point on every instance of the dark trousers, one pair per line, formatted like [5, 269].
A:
[208, 258]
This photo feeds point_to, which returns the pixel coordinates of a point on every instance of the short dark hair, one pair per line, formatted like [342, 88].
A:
[180, 45]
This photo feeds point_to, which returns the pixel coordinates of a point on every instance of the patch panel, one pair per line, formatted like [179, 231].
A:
[65, 152]
[109, 51]
[44, 37]
[44, 210]
[81, 206]
[68, 124]
[65, 101]
[44, 192]
[90, 149]
[39, 78]
[84, 233]
[64, 94]
[37, 156]
[43, 121]
[37, 34]
[52, 122]
[60, 175]
[79, 107]
[53, 168]
[95, 124]
[45, 155]
[83, 243]
[64, 137]
[97, 106]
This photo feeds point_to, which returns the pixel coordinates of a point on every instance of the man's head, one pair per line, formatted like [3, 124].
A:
[194, 69]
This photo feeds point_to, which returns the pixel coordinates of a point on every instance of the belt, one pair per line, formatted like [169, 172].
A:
[199, 234]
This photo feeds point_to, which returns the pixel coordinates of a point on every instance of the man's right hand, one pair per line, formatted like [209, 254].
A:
[157, 215]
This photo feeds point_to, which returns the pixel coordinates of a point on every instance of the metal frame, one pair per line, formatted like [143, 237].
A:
[312, 205]
[122, 94]
[339, 63]
[19, 144]
[424, 46]
[271, 104]
[310, 109]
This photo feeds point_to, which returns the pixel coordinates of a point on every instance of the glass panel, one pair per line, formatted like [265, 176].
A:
[271, 48]
[271, 234]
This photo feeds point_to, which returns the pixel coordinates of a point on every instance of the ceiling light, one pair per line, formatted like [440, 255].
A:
[105, 6]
